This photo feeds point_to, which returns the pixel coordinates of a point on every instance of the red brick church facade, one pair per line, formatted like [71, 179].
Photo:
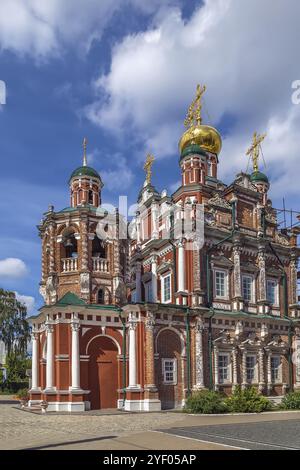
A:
[140, 324]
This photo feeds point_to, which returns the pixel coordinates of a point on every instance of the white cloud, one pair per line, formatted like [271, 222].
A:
[43, 28]
[245, 52]
[28, 300]
[12, 268]
[120, 177]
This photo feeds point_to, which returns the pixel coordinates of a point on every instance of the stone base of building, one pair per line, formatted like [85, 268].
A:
[69, 406]
[143, 405]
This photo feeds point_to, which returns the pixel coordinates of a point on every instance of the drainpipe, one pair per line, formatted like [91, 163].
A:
[124, 356]
[209, 293]
[286, 315]
[188, 350]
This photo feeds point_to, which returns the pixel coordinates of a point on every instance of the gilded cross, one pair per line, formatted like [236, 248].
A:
[253, 151]
[148, 167]
[194, 112]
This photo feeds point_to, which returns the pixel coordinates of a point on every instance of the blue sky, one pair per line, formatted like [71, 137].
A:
[122, 73]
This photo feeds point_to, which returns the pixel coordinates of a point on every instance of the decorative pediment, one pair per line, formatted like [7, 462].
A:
[224, 339]
[164, 266]
[281, 239]
[277, 342]
[219, 201]
[252, 340]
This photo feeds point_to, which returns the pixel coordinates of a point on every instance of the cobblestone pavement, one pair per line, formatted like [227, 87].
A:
[20, 429]
[160, 431]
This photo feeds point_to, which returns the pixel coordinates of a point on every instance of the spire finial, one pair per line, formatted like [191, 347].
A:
[254, 150]
[84, 144]
[147, 167]
[193, 117]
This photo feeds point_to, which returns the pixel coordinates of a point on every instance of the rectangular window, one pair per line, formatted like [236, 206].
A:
[250, 368]
[247, 285]
[209, 168]
[220, 284]
[169, 371]
[272, 296]
[166, 289]
[223, 367]
[275, 368]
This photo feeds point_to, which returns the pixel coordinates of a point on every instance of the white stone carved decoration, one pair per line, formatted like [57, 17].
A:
[281, 239]
[264, 331]
[51, 289]
[218, 201]
[85, 283]
[238, 329]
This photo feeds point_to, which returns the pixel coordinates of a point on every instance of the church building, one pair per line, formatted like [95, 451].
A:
[200, 293]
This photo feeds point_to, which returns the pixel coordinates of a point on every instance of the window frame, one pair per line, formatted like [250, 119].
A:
[276, 293]
[255, 369]
[279, 378]
[148, 291]
[226, 284]
[252, 288]
[164, 371]
[162, 285]
[228, 380]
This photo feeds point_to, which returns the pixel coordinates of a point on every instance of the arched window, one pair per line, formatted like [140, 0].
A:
[98, 248]
[69, 244]
[91, 197]
[100, 296]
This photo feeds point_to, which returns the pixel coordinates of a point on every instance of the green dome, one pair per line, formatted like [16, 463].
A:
[192, 149]
[258, 176]
[85, 171]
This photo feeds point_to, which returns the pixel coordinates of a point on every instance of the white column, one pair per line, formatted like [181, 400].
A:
[244, 368]
[216, 386]
[35, 362]
[234, 367]
[154, 217]
[181, 268]
[49, 358]
[199, 355]
[75, 366]
[132, 354]
[154, 278]
[138, 281]
[261, 378]
[269, 372]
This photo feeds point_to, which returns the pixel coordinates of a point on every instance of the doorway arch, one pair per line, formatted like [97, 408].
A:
[103, 372]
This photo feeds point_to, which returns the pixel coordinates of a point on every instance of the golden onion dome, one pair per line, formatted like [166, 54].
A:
[207, 137]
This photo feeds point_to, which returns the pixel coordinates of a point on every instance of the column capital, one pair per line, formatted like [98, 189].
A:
[150, 321]
[49, 327]
[34, 335]
[75, 326]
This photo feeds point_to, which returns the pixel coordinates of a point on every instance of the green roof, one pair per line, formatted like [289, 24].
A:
[192, 149]
[85, 171]
[70, 299]
[259, 176]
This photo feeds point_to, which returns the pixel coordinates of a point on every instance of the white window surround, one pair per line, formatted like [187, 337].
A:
[221, 367]
[252, 288]
[226, 283]
[209, 168]
[253, 366]
[162, 285]
[169, 371]
[278, 379]
[274, 283]
[133, 296]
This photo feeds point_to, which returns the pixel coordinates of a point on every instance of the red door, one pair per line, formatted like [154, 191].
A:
[103, 373]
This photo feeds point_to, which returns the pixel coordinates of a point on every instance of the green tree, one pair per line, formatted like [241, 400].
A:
[14, 327]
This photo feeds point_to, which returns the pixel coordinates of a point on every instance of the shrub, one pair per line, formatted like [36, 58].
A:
[291, 401]
[248, 400]
[22, 394]
[205, 401]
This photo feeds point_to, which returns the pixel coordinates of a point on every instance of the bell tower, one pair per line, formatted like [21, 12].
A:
[77, 256]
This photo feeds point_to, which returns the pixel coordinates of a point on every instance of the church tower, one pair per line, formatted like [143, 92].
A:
[78, 256]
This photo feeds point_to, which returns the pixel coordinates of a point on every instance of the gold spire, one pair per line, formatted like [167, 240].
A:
[148, 167]
[193, 117]
[84, 144]
[254, 150]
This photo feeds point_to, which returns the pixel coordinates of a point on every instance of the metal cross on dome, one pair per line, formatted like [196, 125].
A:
[254, 150]
[84, 144]
[193, 117]
[148, 167]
